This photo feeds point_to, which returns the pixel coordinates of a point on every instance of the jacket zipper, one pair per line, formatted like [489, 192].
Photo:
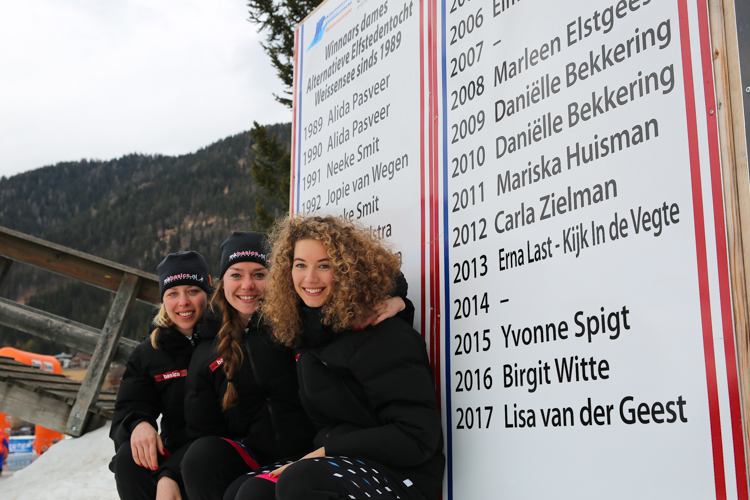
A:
[254, 371]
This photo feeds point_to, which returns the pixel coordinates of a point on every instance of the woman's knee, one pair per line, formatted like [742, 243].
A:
[133, 481]
[124, 463]
[202, 453]
[299, 478]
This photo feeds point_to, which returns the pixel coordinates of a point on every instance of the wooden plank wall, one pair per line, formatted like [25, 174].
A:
[45, 398]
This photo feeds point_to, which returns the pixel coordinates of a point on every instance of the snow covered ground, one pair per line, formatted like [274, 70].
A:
[73, 469]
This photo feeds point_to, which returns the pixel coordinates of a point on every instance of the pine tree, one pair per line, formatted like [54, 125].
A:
[270, 169]
[271, 165]
[278, 18]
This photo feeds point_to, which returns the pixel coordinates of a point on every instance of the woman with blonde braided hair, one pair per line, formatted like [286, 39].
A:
[233, 325]
[242, 399]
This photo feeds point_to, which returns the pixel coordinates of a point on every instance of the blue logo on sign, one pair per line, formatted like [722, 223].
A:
[330, 20]
[320, 28]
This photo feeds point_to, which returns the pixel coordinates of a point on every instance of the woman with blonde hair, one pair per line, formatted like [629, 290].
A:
[370, 393]
[153, 385]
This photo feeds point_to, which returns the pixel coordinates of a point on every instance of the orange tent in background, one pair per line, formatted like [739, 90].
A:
[41, 361]
[44, 437]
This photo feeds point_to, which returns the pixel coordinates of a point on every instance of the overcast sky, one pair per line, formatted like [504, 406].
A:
[100, 79]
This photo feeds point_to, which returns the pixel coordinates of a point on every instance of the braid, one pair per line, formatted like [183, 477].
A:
[229, 340]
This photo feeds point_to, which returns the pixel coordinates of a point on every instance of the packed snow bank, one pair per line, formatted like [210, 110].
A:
[73, 469]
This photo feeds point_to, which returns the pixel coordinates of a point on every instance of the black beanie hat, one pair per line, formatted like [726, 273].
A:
[183, 268]
[243, 246]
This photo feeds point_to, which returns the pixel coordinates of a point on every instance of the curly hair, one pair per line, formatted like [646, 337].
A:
[228, 341]
[364, 273]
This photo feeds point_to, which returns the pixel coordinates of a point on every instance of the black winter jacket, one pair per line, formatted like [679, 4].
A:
[268, 417]
[154, 384]
[371, 395]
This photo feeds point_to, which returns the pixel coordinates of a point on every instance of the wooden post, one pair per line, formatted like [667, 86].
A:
[4, 268]
[103, 354]
[736, 183]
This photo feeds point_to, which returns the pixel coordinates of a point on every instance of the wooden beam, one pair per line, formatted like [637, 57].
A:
[74, 264]
[36, 374]
[45, 408]
[33, 386]
[45, 398]
[48, 381]
[103, 354]
[736, 187]
[105, 401]
[33, 407]
[4, 268]
[53, 386]
[57, 329]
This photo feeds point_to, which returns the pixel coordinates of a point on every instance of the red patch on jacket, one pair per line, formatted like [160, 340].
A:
[170, 375]
[216, 364]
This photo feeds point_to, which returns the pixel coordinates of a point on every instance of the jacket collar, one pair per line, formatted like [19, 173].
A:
[315, 332]
[172, 340]
[208, 327]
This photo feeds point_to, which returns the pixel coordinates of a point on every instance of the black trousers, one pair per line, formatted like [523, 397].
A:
[133, 481]
[211, 464]
[328, 478]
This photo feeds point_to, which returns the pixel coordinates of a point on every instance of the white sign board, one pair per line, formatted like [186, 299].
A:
[563, 161]
[582, 219]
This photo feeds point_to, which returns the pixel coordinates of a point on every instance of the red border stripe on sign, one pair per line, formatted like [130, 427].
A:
[295, 106]
[422, 243]
[700, 244]
[435, 301]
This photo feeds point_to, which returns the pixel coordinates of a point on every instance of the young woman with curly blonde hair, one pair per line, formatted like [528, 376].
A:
[370, 393]
[358, 257]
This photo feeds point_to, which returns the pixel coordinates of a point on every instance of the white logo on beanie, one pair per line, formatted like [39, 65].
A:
[183, 276]
[247, 253]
